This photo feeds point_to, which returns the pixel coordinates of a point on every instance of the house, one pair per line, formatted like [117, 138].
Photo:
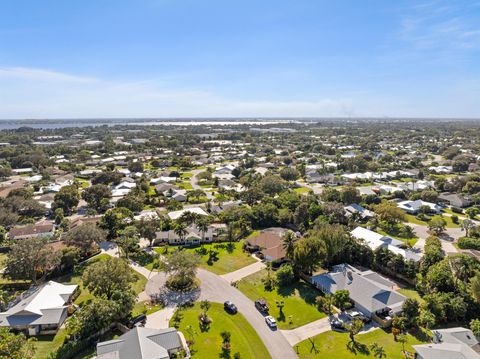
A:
[375, 240]
[41, 310]
[413, 207]
[195, 210]
[451, 343]
[44, 229]
[269, 244]
[454, 200]
[372, 294]
[193, 236]
[356, 209]
[179, 195]
[142, 343]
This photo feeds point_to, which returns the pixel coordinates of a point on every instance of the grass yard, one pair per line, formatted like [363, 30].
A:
[299, 300]
[145, 308]
[411, 293]
[230, 257]
[208, 343]
[46, 344]
[302, 190]
[333, 345]
[412, 241]
[412, 219]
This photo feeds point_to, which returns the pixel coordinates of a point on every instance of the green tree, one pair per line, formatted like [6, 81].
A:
[309, 254]
[32, 259]
[85, 236]
[411, 310]
[475, 327]
[437, 225]
[105, 277]
[288, 243]
[354, 328]
[389, 212]
[148, 228]
[181, 266]
[128, 241]
[378, 351]
[67, 199]
[116, 219]
[342, 299]
[15, 346]
[475, 286]
[426, 319]
[95, 196]
[285, 275]
[180, 230]
[326, 303]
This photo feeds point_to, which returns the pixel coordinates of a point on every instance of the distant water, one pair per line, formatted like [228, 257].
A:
[53, 124]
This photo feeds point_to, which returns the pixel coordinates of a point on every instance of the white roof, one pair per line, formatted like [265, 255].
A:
[52, 295]
[371, 238]
[178, 214]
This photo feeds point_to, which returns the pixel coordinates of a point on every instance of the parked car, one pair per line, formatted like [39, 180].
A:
[138, 321]
[230, 307]
[355, 314]
[271, 322]
[261, 305]
[337, 325]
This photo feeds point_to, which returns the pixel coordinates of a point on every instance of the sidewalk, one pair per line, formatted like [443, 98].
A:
[243, 272]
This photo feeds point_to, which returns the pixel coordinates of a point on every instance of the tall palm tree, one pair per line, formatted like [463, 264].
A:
[202, 225]
[180, 230]
[288, 244]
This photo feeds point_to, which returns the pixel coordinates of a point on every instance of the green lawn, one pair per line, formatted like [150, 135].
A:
[302, 190]
[411, 240]
[208, 343]
[299, 300]
[46, 344]
[230, 257]
[411, 293]
[333, 345]
[412, 219]
[145, 308]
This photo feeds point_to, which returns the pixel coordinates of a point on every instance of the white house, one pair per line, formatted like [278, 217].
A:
[413, 207]
[40, 310]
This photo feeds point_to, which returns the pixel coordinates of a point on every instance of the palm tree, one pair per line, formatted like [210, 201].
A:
[180, 230]
[202, 225]
[354, 328]
[402, 338]
[378, 351]
[288, 244]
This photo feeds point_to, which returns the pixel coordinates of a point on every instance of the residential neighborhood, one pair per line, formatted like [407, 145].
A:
[241, 243]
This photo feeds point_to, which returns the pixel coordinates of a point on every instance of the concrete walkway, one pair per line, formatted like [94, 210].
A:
[161, 318]
[243, 272]
[306, 331]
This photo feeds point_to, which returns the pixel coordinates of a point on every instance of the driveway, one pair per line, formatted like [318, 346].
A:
[306, 331]
[161, 318]
[447, 239]
[216, 289]
[243, 272]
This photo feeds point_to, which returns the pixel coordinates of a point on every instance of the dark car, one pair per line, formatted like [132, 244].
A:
[138, 321]
[261, 305]
[230, 307]
[337, 325]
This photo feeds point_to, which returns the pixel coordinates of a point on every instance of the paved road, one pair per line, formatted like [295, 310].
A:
[243, 272]
[451, 234]
[194, 183]
[216, 289]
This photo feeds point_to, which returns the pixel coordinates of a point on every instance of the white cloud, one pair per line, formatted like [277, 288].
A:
[442, 25]
[37, 93]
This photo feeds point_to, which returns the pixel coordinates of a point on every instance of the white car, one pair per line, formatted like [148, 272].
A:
[271, 322]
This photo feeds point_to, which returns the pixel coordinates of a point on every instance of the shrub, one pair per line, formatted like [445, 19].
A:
[457, 210]
[469, 243]
[455, 218]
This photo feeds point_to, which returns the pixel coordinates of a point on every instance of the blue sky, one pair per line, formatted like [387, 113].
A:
[255, 58]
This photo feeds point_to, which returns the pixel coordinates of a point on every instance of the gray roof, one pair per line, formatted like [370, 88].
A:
[140, 343]
[450, 343]
[365, 288]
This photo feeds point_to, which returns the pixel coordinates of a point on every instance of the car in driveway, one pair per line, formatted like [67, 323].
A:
[355, 314]
[230, 307]
[337, 325]
[261, 305]
[138, 321]
[271, 322]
